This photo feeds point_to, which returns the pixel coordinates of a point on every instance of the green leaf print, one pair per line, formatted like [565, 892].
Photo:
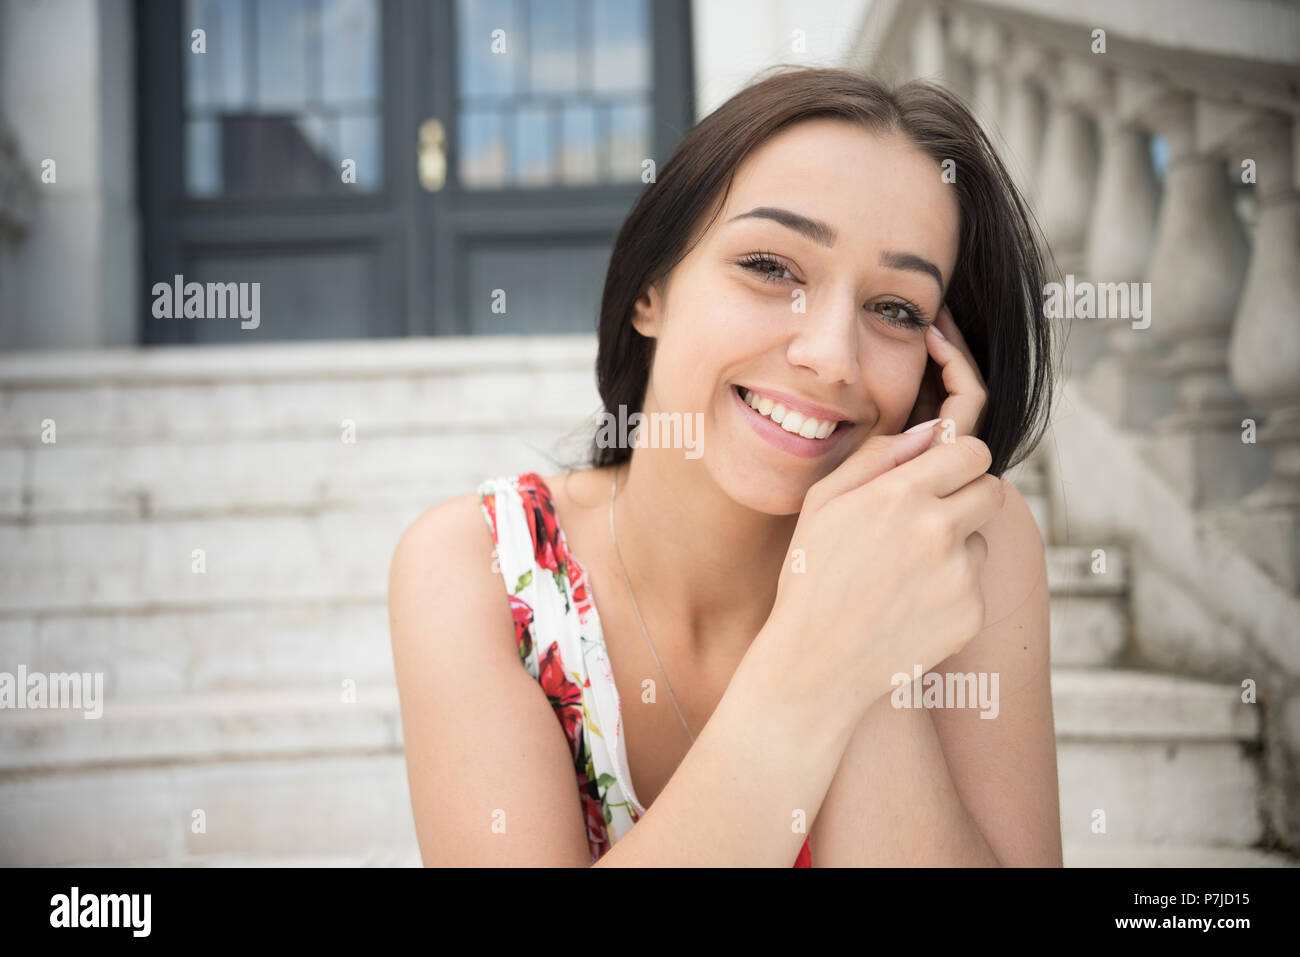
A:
[609, 818]
[562, 579]
[606, 780]
[525, 580]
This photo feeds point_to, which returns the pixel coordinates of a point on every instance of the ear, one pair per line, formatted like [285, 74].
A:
[647, 311]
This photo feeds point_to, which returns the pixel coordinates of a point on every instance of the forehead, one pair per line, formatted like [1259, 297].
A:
[871, 187]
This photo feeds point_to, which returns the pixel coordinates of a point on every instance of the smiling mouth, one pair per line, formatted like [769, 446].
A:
[796, 423]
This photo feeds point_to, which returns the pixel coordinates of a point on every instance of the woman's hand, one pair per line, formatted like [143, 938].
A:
[952, 388]
[883, 573]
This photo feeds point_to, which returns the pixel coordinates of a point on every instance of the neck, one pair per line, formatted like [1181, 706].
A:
[703, 567]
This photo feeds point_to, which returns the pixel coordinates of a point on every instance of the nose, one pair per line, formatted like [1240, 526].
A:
[825, 339]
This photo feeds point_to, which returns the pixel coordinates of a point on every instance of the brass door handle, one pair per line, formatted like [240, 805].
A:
[432, 155]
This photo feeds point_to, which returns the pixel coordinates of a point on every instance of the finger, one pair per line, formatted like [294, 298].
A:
[876, 456]
[929, 396]
[975, 504]
[966, 392]
[945, 468]
[977, 547]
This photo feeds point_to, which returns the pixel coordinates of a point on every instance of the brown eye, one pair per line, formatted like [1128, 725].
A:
[901, 314]
[767, 268]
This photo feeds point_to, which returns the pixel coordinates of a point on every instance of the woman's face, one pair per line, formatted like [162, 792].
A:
[831, 314]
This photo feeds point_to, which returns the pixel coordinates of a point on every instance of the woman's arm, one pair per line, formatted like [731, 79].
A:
[489, 769]
[945, 786]
[488, 766]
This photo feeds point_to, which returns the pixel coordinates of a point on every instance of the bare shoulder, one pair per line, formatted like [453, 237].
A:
[581, 490]
[1016, 562]
[442, 570]
[455, 526]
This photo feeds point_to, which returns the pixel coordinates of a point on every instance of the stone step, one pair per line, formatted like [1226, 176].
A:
[167, 479]
[267, 627]
[1090, 705]
[1169, 761]
[291, 390]
[339, 803]
[182, 479]
[105, 565]
[1155, 759]
[1104, 853]
[146, 653]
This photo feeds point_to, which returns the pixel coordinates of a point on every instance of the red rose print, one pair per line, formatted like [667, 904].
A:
[489, 503]
[594, 815]
[542, 524]
[565, 696]
[578, 585]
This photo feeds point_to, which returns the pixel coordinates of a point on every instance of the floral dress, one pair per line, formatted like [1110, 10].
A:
[560, 643]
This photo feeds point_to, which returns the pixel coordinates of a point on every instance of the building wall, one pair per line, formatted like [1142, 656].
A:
[67, 94]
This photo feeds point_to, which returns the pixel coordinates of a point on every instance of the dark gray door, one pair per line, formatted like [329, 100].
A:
[392, 167]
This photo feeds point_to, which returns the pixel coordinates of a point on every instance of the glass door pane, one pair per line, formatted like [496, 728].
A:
[552, 93]
[281, 95]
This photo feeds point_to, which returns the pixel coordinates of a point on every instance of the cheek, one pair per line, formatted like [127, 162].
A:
[893, 377]
[713, 324]
[705, 327]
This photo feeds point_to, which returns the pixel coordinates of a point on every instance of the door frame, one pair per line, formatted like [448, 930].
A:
[420, 240]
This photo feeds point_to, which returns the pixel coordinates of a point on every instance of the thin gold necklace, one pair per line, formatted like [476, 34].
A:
[612, 488]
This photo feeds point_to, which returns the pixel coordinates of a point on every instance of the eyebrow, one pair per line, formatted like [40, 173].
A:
[822, 234]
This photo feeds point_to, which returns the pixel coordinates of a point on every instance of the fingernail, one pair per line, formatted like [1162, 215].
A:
[935, 329]
[922, 427]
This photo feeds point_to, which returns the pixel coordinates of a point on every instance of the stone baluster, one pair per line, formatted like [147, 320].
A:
[1198, 267]
[1067, 174]
[929, 45]
[1264, 354]
[1123, 383]
[1064, 192]
[988, 48]
[1024, 113]
[961, 73]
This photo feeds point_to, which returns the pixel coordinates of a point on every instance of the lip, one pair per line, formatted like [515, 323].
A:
[803, 406]
[773, 434]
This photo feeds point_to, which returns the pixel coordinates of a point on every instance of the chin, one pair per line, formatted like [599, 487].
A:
[777, 494]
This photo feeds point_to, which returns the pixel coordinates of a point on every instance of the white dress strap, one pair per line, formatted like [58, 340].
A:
[562, 646]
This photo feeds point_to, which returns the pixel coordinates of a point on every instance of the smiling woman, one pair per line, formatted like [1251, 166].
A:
[859, 332]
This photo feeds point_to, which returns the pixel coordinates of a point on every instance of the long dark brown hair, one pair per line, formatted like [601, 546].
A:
[995, 293]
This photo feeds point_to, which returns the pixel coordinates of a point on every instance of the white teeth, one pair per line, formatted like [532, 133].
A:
[788, 419]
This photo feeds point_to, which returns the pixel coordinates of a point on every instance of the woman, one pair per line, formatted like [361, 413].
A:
[791, 281]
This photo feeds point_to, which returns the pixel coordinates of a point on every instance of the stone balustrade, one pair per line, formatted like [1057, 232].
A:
[1159, 147]
[1211, 374]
